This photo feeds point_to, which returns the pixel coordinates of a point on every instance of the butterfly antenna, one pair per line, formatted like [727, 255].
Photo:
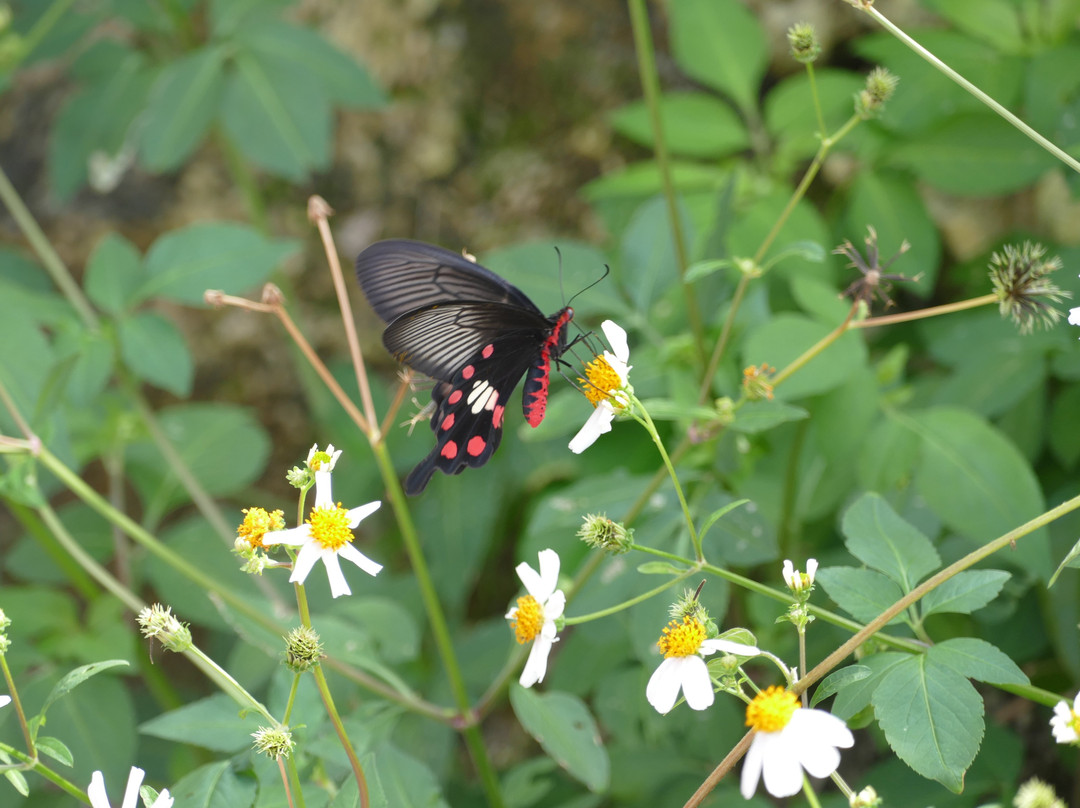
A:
[607, 271]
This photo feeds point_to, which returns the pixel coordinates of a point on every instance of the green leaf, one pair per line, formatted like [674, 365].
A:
[56, 749]
[694, 125]
[977, 659]
[1065, 426]
[183, 103]
[89, 358]
[336, 73]
[838, 681]
[403, 780]
[992, 382]
[184, 263]
[214, 785]
[789, 108]
[231, 17]
[720, 44]
[932, 718]
[224, 447]
[1068, 561]
[891, 204]
[977, 154]
[864, 594]
[718, 514]
[888, 458]
[995, 21]
[76, 677]
[664, 409]
[155, 350]
[857, 696]
[978, 483]
[563, 726]
[649, 262]
[754, 417]
[659, 568]
[642, 180]
[783, 338]
[965, 592]
[97, 723]
[213, 723]
[277, 115]
[876, 535]
[804, 223]
[114, 273]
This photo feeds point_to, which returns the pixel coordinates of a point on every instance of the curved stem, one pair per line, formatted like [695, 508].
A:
[626, 604]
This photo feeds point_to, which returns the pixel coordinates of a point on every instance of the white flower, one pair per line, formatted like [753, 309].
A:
[604, 387]
[533, 619]
[324, 463]
[684, 669]
[99, 799]
[327, 534]
[5, 701]
[1074, 316]
[1065, 721]
[797, 581]
[790, 738]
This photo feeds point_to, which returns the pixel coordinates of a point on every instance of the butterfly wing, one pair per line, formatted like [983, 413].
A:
[399, 276]
[478, 352]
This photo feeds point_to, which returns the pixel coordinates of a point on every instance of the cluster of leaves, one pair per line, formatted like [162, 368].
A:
[964, 428]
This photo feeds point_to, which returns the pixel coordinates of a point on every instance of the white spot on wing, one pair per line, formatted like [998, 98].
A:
[482, 397]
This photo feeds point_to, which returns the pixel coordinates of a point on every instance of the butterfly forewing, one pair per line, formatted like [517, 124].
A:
[399, 276]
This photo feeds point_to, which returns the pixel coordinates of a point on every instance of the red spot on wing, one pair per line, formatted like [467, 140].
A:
[489, 349]
[497, 415]
[449, 450]
[448, 421]
[455, 397]
[467, 372]
[476, 446]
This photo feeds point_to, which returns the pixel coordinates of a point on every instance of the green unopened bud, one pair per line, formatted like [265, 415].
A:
[303, 649]
[274, 742]
[689, 607]
[867, 798]
[5, 643]
[804, 43]
[880, 85]
[157, 622]
[602, 533]
[725, 410]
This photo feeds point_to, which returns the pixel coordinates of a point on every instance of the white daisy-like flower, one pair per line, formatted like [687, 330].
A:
[533, 618]
[325, 461]
[327, 534]
[99, 799]
[684, 647]
[605, 387]
[799, 581]
[789, 739]
[1065, 723]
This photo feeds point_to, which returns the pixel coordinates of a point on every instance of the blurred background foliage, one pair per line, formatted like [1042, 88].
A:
[166, 148]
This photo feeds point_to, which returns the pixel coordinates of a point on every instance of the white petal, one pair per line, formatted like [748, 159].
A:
[323, 496]
[290, 536]
[96, 791]
[1076, 703]
[811, 568]
[664, 685]
[696, 685]
[5, 701]
[311, 452]
[510, 615]
[305, 560]
[816, 727]
[1074, 316]
[728, 647]
[616, 337]
[530, 578]
[553, 609]
[338, 585]
[536, 666]
[350, 553]
[599, 423]
[164, 800]
[788, 573]
[780, 765]
[357, 515]
[819, 760]
[131, 793]
[751, 767]
[549, 575]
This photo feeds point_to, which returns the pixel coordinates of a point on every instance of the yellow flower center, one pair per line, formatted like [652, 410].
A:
[682, 639]
[1074, 722]
[317, 460]
[257, 523]
[528, 620]
[330, 527]
[602, 381]
[771, 709]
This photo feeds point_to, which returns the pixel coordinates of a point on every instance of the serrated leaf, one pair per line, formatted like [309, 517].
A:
[856, 697]
[694, 125]
[182, 264]
[760, 416]
[876, 535]
[563, 726]
[114, 273]
[977, 659]
[839, 680]
[977, 482]
[722, 45]
[76, 677]
[864, 594]
[155, 351]
[932, 718]
[183, 102]
[965, 592]
[54, 748]
[213, 723]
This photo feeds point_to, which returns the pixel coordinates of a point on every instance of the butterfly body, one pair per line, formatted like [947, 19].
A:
[471, 331]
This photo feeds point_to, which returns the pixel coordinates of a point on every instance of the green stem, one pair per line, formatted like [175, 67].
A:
[817, 100]
[245, 180]
[9, 680]
[650, 84]
[888, 25]
[39, 768]
[343, 737]
[585, 618]
[473, 739]
[41, 28]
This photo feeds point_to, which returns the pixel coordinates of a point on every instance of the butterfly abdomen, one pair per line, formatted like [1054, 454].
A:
[534, 393]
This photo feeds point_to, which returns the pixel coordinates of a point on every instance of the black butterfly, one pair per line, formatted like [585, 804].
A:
[472, 332]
